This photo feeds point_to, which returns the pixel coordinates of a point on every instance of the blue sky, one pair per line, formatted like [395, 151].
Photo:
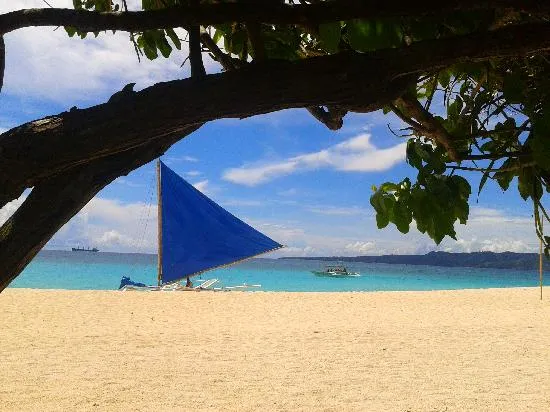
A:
[284, 173]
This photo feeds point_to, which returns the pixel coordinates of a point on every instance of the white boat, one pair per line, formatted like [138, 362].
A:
[196, 235]
[335, 271]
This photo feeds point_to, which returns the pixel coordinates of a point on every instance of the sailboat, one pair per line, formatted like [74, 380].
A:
[196, 235]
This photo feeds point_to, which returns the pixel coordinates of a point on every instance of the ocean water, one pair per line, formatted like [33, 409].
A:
[103, 271]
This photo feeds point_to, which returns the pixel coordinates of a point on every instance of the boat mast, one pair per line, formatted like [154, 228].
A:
[159, 224]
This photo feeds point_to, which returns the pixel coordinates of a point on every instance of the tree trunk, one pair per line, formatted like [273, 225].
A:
[50, 205]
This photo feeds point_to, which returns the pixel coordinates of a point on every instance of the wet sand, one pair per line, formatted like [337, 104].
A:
[475, 350]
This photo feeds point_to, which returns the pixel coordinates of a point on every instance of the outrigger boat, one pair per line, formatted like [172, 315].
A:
[196, 235]
[336, 271]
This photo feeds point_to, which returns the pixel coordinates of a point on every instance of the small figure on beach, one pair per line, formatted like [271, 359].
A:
[188, 283]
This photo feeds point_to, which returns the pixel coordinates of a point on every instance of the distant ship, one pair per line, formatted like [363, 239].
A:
[84, 249]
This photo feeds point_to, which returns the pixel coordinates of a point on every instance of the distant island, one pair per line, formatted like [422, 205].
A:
[504, 260]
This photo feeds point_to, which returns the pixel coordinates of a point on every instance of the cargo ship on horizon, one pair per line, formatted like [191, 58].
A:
[83, 249]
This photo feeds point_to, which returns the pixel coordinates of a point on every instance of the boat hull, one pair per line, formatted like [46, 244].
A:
[335, 274]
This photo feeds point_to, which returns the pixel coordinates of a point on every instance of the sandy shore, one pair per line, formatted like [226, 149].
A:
[394, 351]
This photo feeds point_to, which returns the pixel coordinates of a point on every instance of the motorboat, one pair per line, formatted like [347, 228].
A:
[335, 271]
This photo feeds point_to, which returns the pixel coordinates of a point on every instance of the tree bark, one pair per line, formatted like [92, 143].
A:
[44, 148]
[51, 204]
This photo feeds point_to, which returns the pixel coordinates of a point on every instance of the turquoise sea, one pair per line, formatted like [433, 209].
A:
[103, 271]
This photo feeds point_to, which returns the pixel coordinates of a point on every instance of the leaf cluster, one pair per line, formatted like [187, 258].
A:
[435, 201]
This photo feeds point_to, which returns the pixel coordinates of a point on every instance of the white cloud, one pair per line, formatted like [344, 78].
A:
[474, 244]
[297, 251]
[43, 62]
[357, 154]
[111, 225]
[192, 173]
[112, 238]
[202, 186]
[10, 208]
[243, 202]
[289, 192]
[361, 247]
[126, 182]
[179, 159]
[340, 211]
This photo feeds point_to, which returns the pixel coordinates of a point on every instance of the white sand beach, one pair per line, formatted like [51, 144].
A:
[469, 350]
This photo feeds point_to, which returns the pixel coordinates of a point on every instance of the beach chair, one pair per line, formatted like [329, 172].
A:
[207, 284]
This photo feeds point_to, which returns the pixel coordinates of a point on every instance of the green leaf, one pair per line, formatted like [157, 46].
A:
[513, 88]
[504, 179]
[525, 183]
[162, 44]
[444, 78]
[413, 158]
[540, 142]
[389, 187]
[484, 177]
[330, 34]
[461, 211]
[71, 31]
[368, 35]
[402, 216]
[174, 37]
[464, 187]
[382, 220]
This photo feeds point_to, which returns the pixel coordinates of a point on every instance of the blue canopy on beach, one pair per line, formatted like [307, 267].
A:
[198, 234]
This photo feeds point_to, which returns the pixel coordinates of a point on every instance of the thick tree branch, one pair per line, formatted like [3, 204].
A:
[52, 203]
[332, 120]
[361, 82]
[426, 124]
[272, 13]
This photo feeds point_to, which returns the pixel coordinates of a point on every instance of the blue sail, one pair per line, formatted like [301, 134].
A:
[198, 235]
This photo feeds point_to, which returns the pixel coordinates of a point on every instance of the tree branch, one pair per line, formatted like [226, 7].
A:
[333, 121]
[224, 59]
[495, 156]
[502, 169]
[332, 117]
[428, 125]
[272, 13]
[357, 81]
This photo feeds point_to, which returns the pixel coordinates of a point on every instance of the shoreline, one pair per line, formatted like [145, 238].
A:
[470, 349]
[546, 289]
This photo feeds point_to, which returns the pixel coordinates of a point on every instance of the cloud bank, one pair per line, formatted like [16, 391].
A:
[357, 154]
[45, 63]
